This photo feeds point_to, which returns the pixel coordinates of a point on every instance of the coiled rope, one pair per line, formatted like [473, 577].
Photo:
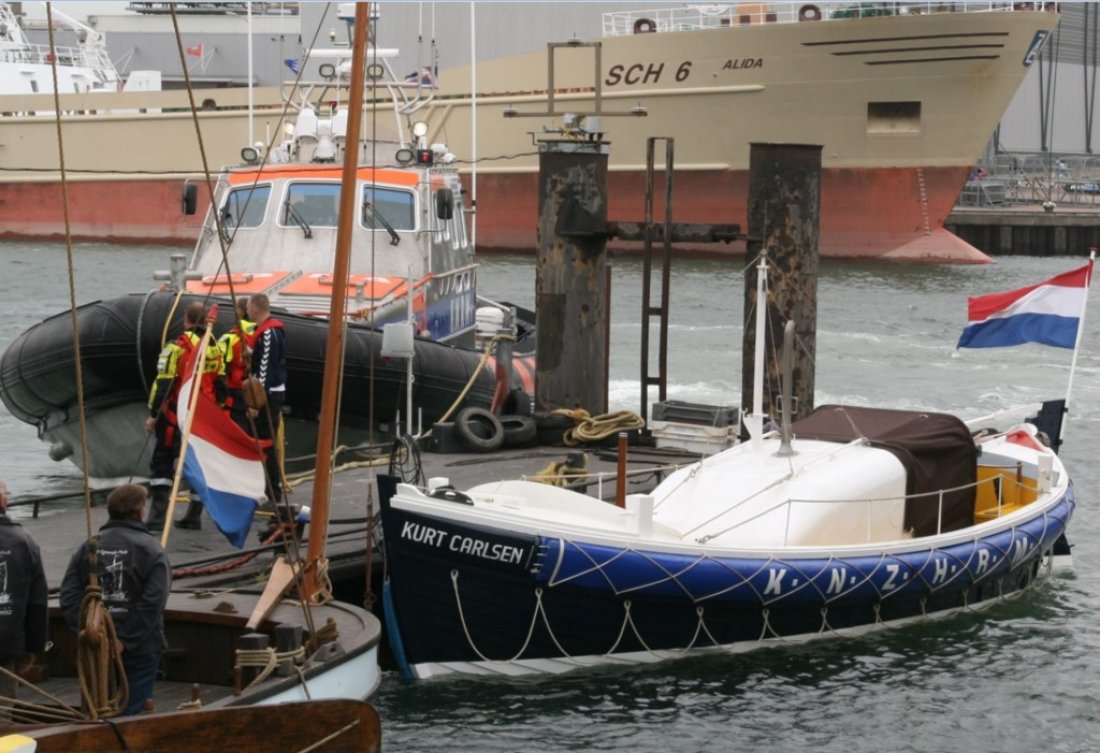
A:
[268, 660]
[103, 686]
[591, 428]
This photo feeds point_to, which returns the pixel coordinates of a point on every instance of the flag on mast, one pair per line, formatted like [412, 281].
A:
[1049, 313]
[222, 464]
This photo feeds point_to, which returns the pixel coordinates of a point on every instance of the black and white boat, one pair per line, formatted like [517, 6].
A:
[877, 518]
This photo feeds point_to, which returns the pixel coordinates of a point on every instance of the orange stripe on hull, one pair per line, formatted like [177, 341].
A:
[320, 283]
[397, 177]
[245, 282]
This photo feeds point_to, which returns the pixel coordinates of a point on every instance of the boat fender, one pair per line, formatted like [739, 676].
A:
[519, 431]
[190, 198]
[809, 13]
[644, 26]
[450, 494]
[479, 429]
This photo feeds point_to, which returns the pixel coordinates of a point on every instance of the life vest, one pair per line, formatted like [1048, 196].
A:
[166, 386]
[233, 344]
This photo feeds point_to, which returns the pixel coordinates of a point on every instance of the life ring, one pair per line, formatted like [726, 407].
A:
[519, 431]
[644, 26]
[479, 430]
[809, 13]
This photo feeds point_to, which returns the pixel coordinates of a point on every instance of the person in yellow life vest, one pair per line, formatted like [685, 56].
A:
[235, 354]
[162, 414]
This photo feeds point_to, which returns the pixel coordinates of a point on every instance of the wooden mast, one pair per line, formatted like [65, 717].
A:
[330, 386]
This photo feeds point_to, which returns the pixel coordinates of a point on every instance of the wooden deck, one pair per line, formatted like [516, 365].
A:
[60, 529]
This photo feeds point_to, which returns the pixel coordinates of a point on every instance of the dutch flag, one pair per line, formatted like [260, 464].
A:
[223, 464]
[1048, 313]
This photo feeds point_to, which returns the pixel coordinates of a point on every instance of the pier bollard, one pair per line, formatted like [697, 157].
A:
[571, 277]
[784, 219]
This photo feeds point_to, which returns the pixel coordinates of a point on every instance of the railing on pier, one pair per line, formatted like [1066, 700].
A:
[1034, 178]
[719, 15]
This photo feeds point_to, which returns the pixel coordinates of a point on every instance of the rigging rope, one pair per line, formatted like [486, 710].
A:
[103, 693]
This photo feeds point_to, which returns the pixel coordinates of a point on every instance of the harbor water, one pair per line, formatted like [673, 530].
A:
[1022, 676]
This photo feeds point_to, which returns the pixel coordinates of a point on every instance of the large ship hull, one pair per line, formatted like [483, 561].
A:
[903, 106]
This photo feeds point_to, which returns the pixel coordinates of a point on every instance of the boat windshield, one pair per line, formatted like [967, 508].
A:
[391, 206]
[245, 207]
[315, 204]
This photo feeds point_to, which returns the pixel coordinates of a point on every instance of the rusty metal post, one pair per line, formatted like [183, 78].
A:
[571, 276]
[784, 211]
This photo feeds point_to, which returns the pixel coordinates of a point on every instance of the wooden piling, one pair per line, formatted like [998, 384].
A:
[571, 276]
[784, 210]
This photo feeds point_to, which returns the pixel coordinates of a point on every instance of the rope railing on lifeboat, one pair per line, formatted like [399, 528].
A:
[703, 635]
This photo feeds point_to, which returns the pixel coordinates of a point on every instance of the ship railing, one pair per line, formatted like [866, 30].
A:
[40, 54]
[1004, 490]
[720, 15]
[1003, 493]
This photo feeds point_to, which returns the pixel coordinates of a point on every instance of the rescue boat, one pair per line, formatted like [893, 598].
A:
[412, 307]
[870, 519]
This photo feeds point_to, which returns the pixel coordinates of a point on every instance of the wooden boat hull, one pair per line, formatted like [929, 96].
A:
[330, 655]
[333, 726]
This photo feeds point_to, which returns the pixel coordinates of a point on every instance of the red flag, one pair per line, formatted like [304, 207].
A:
[195, 50]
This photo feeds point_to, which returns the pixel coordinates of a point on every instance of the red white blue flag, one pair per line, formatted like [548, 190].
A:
[1048, 313]
[223, 464]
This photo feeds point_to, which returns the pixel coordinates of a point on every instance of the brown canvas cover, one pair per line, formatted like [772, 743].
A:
[936, 450]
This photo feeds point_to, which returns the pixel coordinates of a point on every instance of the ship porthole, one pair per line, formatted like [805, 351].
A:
[809, 13]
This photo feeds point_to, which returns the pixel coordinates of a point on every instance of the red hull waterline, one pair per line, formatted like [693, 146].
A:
[882, 213]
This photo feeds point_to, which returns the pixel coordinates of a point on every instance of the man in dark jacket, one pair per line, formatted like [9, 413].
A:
[268, 343]
[135, 577]
[23, 594]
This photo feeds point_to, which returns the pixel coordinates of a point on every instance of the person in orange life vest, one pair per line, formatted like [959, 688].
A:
[24, 622]
[162, 414]
[235, 354]
[268, 345]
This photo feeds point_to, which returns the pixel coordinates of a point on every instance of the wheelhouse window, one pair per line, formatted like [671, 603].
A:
[311, 204]
[394, 206]
[245, 207]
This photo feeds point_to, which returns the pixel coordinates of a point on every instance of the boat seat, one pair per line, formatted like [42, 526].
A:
[1002, 490]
